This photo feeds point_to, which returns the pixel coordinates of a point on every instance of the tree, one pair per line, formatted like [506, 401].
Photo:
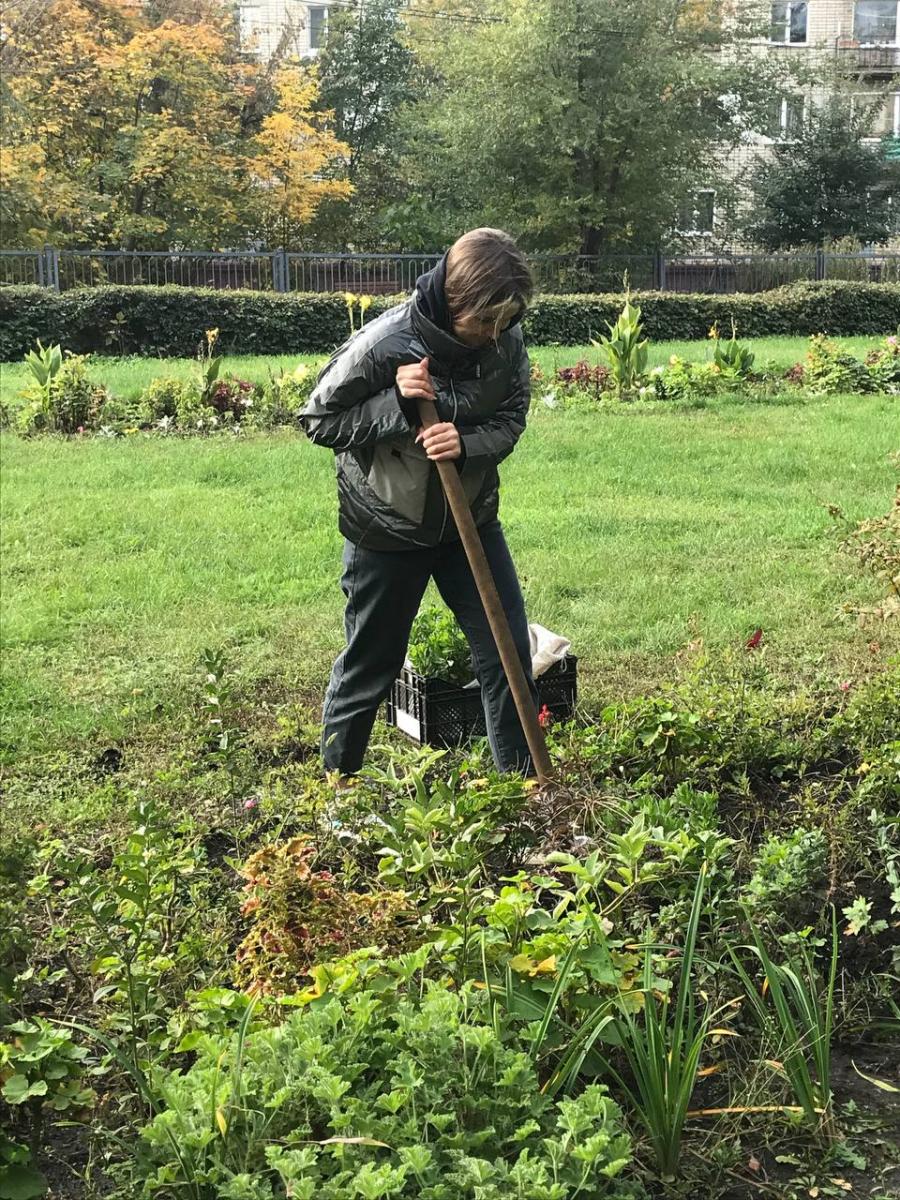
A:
[295, 145]
[145, 127]
[827, 183]
[580, 125]
[365, 72]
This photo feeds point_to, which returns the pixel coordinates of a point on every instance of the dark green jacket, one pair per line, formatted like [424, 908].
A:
[389, 494]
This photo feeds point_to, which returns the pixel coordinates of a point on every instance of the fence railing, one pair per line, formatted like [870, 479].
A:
[391, 274]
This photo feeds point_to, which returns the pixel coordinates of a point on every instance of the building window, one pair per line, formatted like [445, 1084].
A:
[787, 117]
[875, 22]
[697, 212]
[884, 117]
[788, 21]
[318, 25]
[248, 24]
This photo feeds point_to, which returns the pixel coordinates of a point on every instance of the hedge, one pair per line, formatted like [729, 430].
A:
[170, 321]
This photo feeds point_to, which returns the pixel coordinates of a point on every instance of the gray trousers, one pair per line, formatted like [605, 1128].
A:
[384, 591]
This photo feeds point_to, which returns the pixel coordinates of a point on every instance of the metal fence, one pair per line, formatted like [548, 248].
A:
[390, 274]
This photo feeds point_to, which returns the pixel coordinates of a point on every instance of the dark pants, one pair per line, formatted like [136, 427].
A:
[384, 591]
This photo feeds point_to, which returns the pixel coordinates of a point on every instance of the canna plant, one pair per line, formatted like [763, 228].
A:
[44, 365]
[210, 365]
[733, 360]
[364, 302]
[625, 350]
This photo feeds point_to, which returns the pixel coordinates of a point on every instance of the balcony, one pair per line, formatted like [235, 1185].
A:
[868, 60]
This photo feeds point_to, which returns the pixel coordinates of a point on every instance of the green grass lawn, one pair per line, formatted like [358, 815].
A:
[635, 532]
[128, 376]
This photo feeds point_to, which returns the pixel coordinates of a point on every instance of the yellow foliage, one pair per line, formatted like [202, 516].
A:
[126, 131]
[295, 145]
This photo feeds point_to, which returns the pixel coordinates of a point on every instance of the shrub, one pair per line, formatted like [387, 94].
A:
[171, 321]
[282, 398]
[379, 1097]
[884, 365]
[683, 380]
[831, 370]
[166, 397]
[117, 414]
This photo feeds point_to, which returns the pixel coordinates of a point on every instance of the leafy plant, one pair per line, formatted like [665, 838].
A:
[128, 921]
[19, 1180]
[377, 1096]
[625, 349]
[582, 382]
[787, 871]
[302, 916]
[438, 647]
[41, 1068]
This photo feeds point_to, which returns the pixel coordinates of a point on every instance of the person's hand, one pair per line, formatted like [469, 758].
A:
[441, 441]
[414, 381]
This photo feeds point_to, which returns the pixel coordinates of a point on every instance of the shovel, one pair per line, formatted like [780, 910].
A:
[487, 589]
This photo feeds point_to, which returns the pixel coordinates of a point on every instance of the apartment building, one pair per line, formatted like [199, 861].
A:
[286, 26]
[854, 41]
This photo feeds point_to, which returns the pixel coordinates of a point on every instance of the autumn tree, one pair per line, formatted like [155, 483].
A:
[132, 133]
[366, 80]
[294, 145]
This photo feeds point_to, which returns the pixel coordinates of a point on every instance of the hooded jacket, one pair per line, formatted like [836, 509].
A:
[389, 492]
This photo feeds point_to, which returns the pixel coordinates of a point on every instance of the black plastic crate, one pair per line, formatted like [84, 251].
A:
[436, 713]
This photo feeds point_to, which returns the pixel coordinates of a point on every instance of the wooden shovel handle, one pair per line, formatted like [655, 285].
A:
[496, 615]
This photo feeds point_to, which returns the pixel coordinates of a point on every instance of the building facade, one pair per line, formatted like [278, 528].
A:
[854, 42]
[288, 27]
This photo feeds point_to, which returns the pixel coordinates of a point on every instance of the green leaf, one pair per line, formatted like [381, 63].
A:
[18, 1182]
[17, 1089]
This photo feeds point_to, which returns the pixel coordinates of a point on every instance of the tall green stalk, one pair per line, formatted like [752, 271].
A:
[663, 1047]
[799, 1022]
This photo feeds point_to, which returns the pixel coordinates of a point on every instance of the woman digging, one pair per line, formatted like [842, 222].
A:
[458, 343]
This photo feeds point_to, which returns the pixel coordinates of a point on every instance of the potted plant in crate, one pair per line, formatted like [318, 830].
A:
[436, 699]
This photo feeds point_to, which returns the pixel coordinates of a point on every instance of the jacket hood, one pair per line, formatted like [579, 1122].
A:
[432, 320]
[431, 299]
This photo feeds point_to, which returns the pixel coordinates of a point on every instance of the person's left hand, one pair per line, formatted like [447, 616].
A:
[441, 441]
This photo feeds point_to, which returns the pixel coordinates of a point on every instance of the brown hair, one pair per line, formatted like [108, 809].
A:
[488, 275]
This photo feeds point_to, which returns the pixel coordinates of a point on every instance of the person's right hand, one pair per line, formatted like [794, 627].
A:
[414, 381]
